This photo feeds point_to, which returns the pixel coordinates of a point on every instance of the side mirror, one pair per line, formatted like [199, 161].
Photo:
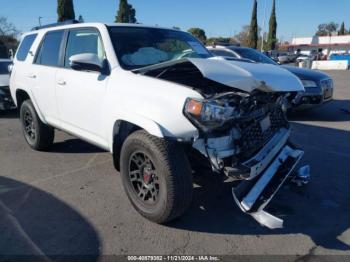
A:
[86, 62]
[9, 68]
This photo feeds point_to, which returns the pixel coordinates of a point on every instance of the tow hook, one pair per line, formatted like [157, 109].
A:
[302, 177]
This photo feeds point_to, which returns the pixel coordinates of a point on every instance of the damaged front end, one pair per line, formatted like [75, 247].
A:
[243, 129]
[247, 139]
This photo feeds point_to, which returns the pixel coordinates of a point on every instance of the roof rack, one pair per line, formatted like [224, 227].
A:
[67, 22]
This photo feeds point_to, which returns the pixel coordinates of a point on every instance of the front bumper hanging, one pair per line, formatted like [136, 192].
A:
[252, 196]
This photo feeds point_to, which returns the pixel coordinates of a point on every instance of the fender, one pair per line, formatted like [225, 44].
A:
[141, 121]
[32, 98]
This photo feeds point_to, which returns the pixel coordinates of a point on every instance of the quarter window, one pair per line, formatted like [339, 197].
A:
[25, 46]
[83, 41]
[49, 53]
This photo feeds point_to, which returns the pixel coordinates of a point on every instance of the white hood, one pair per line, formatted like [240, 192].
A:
[4, 80]
[248, 76]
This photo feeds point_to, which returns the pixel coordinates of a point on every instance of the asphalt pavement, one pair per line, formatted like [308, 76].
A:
[70, 201]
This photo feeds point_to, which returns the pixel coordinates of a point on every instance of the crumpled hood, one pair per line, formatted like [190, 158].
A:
[237, 74]
[248, 76]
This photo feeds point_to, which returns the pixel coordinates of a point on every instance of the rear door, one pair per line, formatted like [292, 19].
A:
[22, 63]
[80, 94]
[43, 72]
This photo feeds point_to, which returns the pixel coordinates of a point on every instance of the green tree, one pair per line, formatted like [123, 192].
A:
[253, 29]
[242, 37]
[199, 33]
[342, 30]
[126, 13]
[8, 37]
[65, 10]
[220, 40]
[327, 29]
[272, 39]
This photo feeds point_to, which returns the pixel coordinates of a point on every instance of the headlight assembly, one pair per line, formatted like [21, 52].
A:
[309, 83]
[208, 114]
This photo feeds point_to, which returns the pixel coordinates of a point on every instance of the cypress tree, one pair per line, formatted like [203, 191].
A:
[253, 29]
[65, 10]
[342, 29]
[272, 39]
[126, 13]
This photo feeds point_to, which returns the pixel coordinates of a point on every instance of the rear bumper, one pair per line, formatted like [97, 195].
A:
[252, 196]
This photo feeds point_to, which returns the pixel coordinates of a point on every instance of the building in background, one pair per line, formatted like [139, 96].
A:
[327, 45]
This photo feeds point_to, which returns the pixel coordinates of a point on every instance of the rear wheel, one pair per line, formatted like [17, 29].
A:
[156, 177]
[38, 135]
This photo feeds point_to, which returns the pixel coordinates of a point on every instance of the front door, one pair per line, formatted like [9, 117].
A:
[80, 94]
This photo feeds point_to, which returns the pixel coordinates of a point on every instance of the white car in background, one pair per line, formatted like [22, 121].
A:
[5, 96]
[303, 57]
[283, 58]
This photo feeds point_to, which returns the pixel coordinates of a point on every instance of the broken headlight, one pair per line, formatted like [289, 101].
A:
[209, 114]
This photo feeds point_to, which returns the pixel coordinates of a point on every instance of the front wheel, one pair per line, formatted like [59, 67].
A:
[38, 135]
[156, 176]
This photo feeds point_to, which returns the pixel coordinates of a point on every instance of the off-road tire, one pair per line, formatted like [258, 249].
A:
[43, 134]
[173, 171]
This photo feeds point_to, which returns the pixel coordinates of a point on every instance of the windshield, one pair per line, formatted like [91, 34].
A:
[138, 47]
[4, 68]
[254, 56]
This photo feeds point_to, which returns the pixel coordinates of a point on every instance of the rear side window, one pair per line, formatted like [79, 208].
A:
[25, 46]
[49, 52]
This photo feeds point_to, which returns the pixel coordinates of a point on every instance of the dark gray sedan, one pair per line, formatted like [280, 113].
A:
[318, 85]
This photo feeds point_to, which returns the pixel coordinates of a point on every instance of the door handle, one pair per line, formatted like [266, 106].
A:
[61, 82]
[32, 76]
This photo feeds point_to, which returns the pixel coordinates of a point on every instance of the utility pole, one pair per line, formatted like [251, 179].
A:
[263, 28]
[40, 20]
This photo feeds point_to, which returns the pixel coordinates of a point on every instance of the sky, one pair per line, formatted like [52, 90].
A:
[296, 18]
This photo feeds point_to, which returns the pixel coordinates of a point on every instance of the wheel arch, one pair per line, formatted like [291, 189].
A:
[122, 129]
[22, 95]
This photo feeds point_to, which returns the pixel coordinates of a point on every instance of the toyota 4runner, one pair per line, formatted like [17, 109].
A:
[162, 105]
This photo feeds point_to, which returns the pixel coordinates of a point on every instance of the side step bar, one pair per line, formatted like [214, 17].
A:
[253, 196]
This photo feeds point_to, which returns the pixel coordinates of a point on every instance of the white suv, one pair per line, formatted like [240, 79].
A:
[162, 105]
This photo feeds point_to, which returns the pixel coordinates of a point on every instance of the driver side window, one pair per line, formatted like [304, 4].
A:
[82, 41]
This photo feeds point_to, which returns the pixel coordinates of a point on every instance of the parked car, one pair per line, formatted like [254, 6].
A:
[273, 54]
[292, 57]
[5, 96]
[302, 57]
[318, 86]
[283, 58]
[162, 105]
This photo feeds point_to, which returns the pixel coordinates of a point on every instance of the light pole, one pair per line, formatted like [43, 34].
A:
[263, 28]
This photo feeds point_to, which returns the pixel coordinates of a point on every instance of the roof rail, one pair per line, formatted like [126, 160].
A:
[67, 22]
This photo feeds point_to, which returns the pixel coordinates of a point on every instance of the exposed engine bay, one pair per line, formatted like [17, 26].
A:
[243, 132]
[232, 122]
